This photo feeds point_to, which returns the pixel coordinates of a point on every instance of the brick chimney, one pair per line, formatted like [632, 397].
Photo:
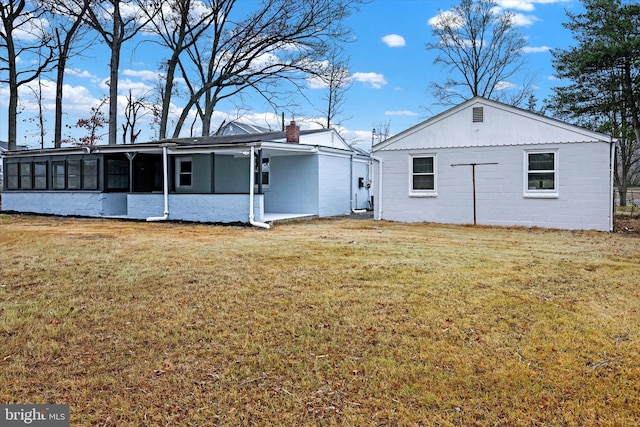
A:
[293, 133]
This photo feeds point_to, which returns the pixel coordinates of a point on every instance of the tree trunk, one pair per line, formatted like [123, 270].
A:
[12, 128]
[116, 43]
[13, 111]
[57, 137]
[113, 95]
[166, 98]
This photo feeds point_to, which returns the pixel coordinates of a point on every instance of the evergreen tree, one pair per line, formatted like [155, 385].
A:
[604, 71]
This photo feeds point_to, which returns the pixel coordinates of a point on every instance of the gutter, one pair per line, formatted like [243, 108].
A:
[165, 185]
[251, 192]
[379, 202]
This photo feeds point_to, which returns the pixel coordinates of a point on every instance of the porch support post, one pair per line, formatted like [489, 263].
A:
[252, 170]
[259, 167]
[130, 156]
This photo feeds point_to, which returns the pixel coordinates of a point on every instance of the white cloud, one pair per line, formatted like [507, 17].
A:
[520, 20]
[74, 72]
[143, 74]
[504, 85]
[394, 40]
[376, 80]
[526, 5]
[536, 49]
[401, 113]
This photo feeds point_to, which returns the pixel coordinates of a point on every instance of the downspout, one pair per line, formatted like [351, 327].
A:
[251, 184]
[379, 202]
[351, 185]
[165, 175]
[612, 165]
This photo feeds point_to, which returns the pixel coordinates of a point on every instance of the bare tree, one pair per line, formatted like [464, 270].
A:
[39, 120]
[132, 112]
[117, 21]
[21, 34]
[481, 50]
[179, 24]
[280, 43]
[69, 36]
[337, 79]
[381, 132]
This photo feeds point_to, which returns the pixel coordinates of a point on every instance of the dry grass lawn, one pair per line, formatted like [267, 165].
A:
[326, 322]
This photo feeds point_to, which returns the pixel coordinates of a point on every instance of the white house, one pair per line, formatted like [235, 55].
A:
[484, 162]
[234, 178]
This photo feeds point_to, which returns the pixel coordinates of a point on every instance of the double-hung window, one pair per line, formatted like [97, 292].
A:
[13, 176]
[184, 172]
[40, 175]
[541, 174]
[422, 179]
[26, 177]
[89, 174]
[58, 174]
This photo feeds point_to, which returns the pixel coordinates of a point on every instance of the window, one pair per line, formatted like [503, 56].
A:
[73, 175]
[90, 174]
[26, 179]
[58, 178]
[117, 174]
[265, 170]
[12, 175]
[423, 177]
[541, 174]
[184, 172]
[40, 175]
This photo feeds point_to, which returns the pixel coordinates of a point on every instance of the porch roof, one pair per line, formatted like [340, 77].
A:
[274, 142]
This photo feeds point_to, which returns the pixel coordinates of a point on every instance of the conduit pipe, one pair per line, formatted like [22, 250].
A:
[165, 185]
[251, 192]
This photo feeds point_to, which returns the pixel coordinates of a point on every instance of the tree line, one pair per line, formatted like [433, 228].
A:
[215, 51]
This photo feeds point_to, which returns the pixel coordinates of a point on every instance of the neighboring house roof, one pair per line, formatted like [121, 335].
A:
[315, 137]
[4, 146]
[502, 125]
[238, 128]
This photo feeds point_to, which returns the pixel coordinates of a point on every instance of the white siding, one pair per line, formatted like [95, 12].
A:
[80, 203]
[222, 208]
[360, 169]
[294, 185]
[582, 178]
[334, 187]
[502, 125]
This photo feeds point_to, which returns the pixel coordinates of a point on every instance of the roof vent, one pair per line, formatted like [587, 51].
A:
[478, 115]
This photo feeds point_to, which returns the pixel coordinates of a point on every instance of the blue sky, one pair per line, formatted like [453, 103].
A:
[389, 65]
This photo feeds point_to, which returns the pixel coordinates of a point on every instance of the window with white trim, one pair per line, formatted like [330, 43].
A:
[184, 172]
[423, 175]
[264, 170]
[541, 173]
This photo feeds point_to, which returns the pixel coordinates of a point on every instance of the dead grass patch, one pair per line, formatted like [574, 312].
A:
[326, 322]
